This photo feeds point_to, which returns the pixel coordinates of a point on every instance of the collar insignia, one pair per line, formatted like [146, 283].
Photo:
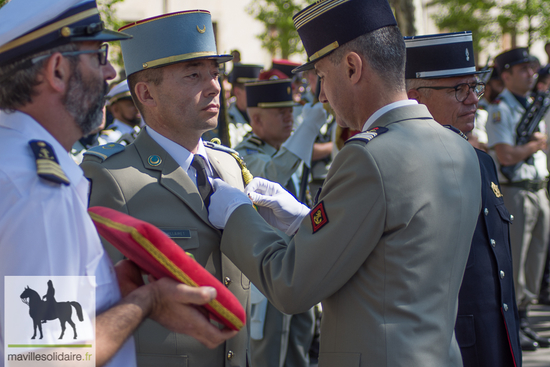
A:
[496, 190]
[47, 165]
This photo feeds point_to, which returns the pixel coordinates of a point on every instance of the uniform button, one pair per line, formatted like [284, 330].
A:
[505, 306]
[230, 355]
[493, 242]
[511, 218]
[486, 211]
[501, 274]
[227, 281]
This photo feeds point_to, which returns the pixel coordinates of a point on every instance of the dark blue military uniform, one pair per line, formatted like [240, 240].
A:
[487, 303]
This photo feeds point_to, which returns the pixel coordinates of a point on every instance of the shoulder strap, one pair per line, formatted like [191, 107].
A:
[47, 165]
[368, 135]
[213, 144]
[106, 151]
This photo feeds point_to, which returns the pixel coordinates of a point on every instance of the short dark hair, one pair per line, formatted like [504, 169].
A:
[384, 49]
[19, 79]
[154, 76]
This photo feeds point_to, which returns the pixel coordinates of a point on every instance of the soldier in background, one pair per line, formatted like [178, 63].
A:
[238, 121]
[126, 117]
[271, 152]
[524, 189]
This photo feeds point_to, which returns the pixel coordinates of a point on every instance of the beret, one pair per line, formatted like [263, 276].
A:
[154, 252]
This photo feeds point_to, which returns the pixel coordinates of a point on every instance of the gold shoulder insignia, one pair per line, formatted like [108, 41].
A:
[496, 190]
[201, 30]
[47, 165]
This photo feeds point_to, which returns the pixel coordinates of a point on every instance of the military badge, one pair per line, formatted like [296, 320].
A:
[496, 116]
[496, 190]
[47, 165]
[368, 135]
[318, 217]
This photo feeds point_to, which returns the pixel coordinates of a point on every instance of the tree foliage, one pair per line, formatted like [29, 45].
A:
[107, 11]
[280, 37]
[489, 20]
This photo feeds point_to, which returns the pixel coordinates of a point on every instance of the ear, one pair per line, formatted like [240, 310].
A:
[144, 94]
[57, 72]
[353, 64]
[414, 94]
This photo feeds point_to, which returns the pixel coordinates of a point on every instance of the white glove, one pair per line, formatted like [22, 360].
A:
[276, 205]
[223, 202]
[301, 141]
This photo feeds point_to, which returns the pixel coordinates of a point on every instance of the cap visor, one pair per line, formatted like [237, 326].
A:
[104, 36]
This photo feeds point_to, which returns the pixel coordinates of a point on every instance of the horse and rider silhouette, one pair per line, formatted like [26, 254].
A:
[42, 311]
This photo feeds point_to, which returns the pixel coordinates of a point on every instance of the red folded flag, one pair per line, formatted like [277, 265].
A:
[154, 252]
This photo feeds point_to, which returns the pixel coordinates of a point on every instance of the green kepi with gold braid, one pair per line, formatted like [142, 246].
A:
[169, 39]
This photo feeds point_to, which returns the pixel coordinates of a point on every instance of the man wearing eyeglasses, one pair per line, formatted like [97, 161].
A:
[53, 73]
[487, 323]
[524, 188]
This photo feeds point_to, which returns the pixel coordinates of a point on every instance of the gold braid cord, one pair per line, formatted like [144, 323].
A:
[247, 176]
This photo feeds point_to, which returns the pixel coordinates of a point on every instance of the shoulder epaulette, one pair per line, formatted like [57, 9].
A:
[47, 165]
[105, 151]
[216, 144]
[456, 131]
[247, 176]
[256, 141]
[368, 135]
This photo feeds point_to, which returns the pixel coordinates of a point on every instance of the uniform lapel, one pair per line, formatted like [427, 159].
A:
[172, 177]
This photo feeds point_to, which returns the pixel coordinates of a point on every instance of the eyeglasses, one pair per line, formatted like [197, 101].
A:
[462, 90]
[101, 54]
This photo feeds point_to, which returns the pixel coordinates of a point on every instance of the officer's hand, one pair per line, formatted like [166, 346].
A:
[174, 307]
[223, 202]
[276, 205]
[314, 115]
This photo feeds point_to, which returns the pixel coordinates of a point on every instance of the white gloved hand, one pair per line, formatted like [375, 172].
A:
[223, 202]
[276, 205]
[301, 141]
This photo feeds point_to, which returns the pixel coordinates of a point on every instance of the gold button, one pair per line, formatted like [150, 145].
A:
[230, 355]
[227, 281]
[145, 65]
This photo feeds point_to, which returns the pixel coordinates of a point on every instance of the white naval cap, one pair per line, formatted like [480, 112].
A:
[119, 91]
[31, 26]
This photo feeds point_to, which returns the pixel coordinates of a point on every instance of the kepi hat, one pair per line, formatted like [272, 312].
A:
[440, 56]
[328, 24]
[244, 73]
[28, 27]
[270, 94]
[516, 56]
[169, 39]
[284, 66]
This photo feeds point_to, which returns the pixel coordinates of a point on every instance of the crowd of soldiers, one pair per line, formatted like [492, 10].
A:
[372, 233]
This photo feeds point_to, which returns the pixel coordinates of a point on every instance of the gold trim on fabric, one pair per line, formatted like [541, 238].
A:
[276, 104]
[176, 58]
[48, 29]
[316, 11]
[166, 262]
[325, 50]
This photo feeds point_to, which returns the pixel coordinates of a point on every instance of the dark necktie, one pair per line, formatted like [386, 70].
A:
[205, 189]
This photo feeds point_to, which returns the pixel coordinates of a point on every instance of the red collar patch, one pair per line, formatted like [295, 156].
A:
[318, 217]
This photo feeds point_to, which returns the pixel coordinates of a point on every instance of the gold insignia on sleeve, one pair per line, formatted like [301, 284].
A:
[201, 30]
[494, 186]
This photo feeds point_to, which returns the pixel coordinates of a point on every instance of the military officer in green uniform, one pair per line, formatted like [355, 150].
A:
[385, 247]
[163, 176]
